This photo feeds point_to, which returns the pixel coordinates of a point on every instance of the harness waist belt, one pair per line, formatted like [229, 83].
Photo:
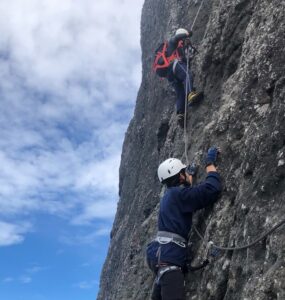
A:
[172, 235]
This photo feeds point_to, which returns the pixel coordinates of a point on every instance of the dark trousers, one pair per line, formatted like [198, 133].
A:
[170, 287]
[181, 82]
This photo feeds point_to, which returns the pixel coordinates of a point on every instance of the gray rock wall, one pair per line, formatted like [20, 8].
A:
[240, 68]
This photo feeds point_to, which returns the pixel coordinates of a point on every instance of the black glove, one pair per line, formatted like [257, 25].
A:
[212, 155]
[190, 32]
[191, 169]
[187, 42]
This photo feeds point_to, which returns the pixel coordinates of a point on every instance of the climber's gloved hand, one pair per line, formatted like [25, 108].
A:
[190, 32]
[212, 156]
[187, 42]
[191, 169]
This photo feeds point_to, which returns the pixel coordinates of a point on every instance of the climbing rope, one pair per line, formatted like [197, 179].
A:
[186, 107]
[197, 14]
[268, 232]
[186, 138]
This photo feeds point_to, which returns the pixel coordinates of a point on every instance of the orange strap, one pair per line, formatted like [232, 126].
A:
[166, 60]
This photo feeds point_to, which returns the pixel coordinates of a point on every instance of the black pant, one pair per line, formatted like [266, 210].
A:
[170, 287]
[181, 82]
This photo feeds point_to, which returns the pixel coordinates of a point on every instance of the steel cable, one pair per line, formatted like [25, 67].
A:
[268, 232]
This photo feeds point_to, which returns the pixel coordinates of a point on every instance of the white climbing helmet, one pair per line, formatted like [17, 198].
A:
[181, 31]
[169, 168]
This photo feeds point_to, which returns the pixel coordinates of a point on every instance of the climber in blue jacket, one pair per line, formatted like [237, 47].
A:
[167, 253]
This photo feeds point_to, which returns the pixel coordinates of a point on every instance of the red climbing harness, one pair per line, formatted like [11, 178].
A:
[162, 61]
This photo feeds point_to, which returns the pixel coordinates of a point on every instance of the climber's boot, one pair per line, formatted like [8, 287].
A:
[194, 97]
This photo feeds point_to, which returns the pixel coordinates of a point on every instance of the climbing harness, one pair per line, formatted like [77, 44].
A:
[165, 237]
[217, 247]
[162, 270]
[162, 61]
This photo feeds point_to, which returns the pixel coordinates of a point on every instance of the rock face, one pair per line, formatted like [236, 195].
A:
[240, 68]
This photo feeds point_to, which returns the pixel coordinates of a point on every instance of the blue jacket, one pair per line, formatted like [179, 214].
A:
[175, 215]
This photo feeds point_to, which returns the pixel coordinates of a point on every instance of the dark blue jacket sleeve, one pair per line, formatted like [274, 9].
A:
[202, 195]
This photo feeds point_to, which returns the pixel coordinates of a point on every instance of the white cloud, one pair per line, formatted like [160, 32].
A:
[11, 234]
[25, 279]
[101, 209]
[102, 174]
[8, 280]
[58, 43]
[86, 238]
[35, 269]
[85, 285]
[69, 75]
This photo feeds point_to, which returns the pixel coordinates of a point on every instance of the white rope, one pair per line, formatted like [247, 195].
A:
[186, 92]
[197, 14]
[185, 110]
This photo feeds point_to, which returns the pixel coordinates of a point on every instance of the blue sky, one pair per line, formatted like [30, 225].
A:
[69, 75]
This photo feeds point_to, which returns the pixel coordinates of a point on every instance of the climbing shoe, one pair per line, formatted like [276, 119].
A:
[194, 97]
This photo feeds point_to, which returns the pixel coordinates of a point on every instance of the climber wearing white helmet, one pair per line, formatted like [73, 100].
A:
[167, 253]
[169, 168]
[171, 62]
